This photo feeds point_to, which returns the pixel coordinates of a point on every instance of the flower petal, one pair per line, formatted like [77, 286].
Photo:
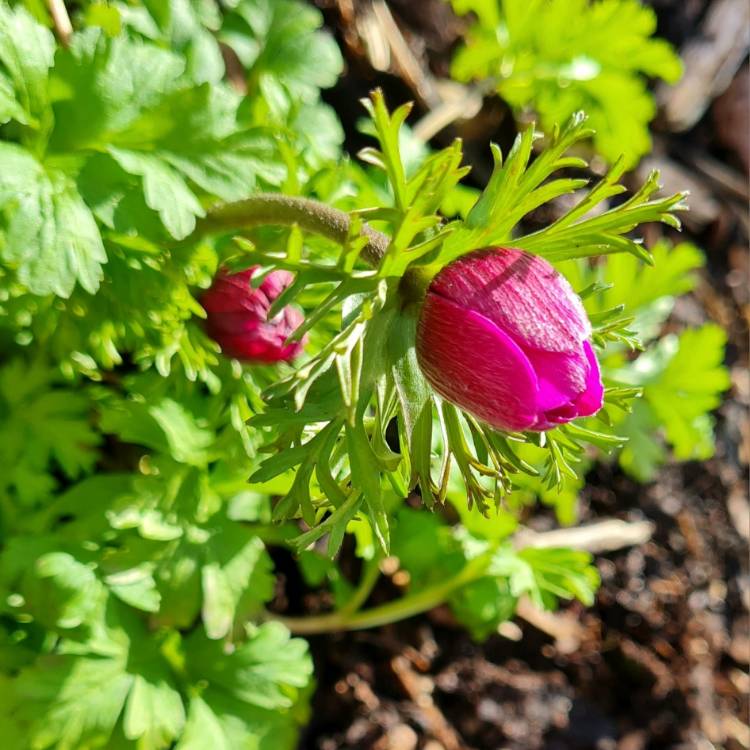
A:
[472, 363]
[237, 317]
[592, 398]
[233, 294]
[561, 376]
[569, 385]
[521, 293]
[258, 341]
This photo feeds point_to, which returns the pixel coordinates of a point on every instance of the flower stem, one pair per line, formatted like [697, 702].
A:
[367, 581]
[401, 609]
[284, 210]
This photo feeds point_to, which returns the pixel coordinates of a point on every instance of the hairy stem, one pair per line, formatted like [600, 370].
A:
[401, 609]
[284, 210]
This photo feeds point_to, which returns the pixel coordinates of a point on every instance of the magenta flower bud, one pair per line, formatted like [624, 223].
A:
[238, 317]
[503, 335]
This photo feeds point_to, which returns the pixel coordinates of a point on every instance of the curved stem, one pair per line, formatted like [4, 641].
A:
[367, 582]
[284, 210]
[401, 609]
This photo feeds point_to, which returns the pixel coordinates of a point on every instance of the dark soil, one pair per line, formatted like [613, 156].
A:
[661, 660]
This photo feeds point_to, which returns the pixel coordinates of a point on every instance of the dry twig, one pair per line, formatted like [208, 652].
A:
[60, 20]
[602, 536]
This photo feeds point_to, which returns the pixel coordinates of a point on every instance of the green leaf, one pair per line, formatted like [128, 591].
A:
[203, 728]
[50, 235]
[117, 201]
[415, 400]
[26, 53]
[561, 56]
[278, 41]
[134, 101]
[105, 85]
[104, 15]
[165, 190]
[644, 452]
[178, 579]
[237, 573]
[72, 702]
[387, 127]
[10, 109]
[425, 547]
[197, 131]
[154, 712]
[264, 671]
[483, 605]
[647, 293]
[415, 395]
[336, 524]
[366, 477]
[320, 128]
[682, 378]
[136, 587]
[165, 426]
[75, 701]
[546, 575]
[59, 590]
[44, 426]
[517, 187]
[185, 26]
[218, 720]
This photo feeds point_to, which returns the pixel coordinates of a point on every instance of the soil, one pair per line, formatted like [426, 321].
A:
[661, 660]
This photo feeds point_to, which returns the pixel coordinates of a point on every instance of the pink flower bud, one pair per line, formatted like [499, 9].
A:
[503, 335]
[238, 317]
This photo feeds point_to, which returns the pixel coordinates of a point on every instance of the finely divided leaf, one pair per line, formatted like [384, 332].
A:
[154, 712]
[45, 428]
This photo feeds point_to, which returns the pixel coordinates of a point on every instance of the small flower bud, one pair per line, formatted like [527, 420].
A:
[503, 336]
[238, 317]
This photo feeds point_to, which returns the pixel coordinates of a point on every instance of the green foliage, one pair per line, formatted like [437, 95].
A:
[320, 415]
[431, 552]
[123, 139]
[559, 56]
[129, 689]
[681, 375]
[42, 206]
[682, 378]
[45, 427]
[146, 479]
[517, 187]
[132, 554]
[286, 56]
[173, 545]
